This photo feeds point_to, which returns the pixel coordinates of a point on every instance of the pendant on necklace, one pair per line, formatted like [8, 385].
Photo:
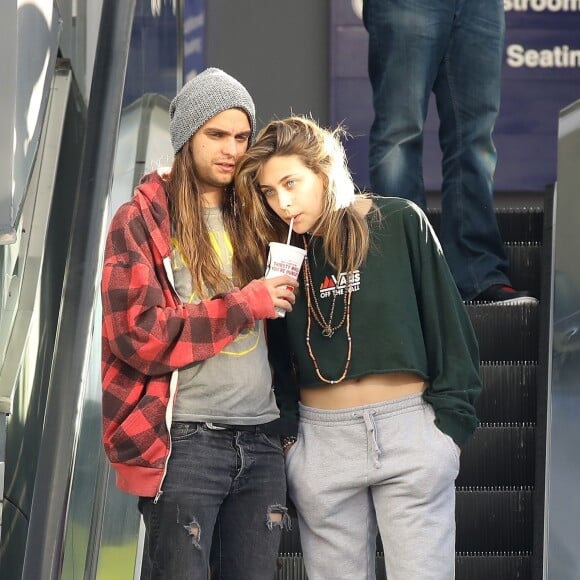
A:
[327, 332]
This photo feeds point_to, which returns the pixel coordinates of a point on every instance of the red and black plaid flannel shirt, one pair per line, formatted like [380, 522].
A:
[148, 334]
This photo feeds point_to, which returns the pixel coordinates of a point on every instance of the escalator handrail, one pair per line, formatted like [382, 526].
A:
[50, 503]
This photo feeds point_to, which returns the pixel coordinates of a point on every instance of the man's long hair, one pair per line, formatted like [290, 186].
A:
[186, 208]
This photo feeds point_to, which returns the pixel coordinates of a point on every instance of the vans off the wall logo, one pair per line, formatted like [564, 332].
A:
[337, 284]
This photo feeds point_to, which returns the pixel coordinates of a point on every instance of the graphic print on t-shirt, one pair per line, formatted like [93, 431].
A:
[338, 284]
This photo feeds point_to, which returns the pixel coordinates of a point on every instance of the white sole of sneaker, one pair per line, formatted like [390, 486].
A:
[520, 300]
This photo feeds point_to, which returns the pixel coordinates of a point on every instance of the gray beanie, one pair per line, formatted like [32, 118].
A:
[203, 97]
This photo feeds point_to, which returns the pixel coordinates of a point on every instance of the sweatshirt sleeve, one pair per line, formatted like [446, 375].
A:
[144, 323]
[450, 342]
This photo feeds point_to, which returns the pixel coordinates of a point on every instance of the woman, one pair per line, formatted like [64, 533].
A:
[384, 356]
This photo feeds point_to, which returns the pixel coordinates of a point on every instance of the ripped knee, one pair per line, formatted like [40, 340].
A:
[193, 529]
[277, 517]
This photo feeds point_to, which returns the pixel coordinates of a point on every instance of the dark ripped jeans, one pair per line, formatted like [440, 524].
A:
[222, 507]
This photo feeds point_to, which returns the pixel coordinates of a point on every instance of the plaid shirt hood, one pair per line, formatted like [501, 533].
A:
[147, 334]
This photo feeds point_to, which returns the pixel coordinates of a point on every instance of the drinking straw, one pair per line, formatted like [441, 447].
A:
[290, 230]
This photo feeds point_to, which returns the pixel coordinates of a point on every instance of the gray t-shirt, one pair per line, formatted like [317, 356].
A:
[234, 386]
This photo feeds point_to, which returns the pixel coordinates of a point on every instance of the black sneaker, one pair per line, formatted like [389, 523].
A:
[506, 295]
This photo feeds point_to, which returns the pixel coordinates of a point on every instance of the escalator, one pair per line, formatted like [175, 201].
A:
[55, 478]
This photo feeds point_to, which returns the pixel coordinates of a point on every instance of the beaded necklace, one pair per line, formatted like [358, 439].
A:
[313, 311]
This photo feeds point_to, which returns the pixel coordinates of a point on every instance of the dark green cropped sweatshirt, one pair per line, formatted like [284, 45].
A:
[406, 316]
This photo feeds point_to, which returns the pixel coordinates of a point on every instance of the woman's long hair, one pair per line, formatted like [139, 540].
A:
[344, 232]
[189, 227]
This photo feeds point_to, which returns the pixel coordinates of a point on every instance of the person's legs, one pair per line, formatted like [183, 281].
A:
[180, 525]
[407, 41]
[468, 97]
[326, 470]
[235, 478]
[249, 525]
[413, 491]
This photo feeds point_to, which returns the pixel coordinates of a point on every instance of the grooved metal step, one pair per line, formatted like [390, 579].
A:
[521, 224]
[494, 520]
[505, 332]
[509, 392]
[504, 566]
[499, 456]
[481, 566]
[525, 266]
[515, 225]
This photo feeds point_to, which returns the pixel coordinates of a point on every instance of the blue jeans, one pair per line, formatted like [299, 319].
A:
[222, 507]
[455, 50]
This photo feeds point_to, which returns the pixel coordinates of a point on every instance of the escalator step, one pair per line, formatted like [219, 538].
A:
[505, 332]
[525, 266]
[499, 456]
[290, 543]
[508, 394]
[493, 567]
[521, 224]
[291, 567]
[515, 225]
[494, 520]
[467, 567]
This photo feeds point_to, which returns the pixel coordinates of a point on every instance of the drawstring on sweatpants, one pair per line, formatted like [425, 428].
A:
[369, 419]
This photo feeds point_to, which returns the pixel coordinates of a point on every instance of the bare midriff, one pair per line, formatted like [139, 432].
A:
[363, 391]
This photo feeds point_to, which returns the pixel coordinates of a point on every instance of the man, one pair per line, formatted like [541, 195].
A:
[454, 50]
[187, 389]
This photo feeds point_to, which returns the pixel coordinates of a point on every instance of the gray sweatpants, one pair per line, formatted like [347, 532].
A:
[384, 465]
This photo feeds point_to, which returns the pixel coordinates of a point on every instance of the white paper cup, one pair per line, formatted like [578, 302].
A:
[284, 259]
